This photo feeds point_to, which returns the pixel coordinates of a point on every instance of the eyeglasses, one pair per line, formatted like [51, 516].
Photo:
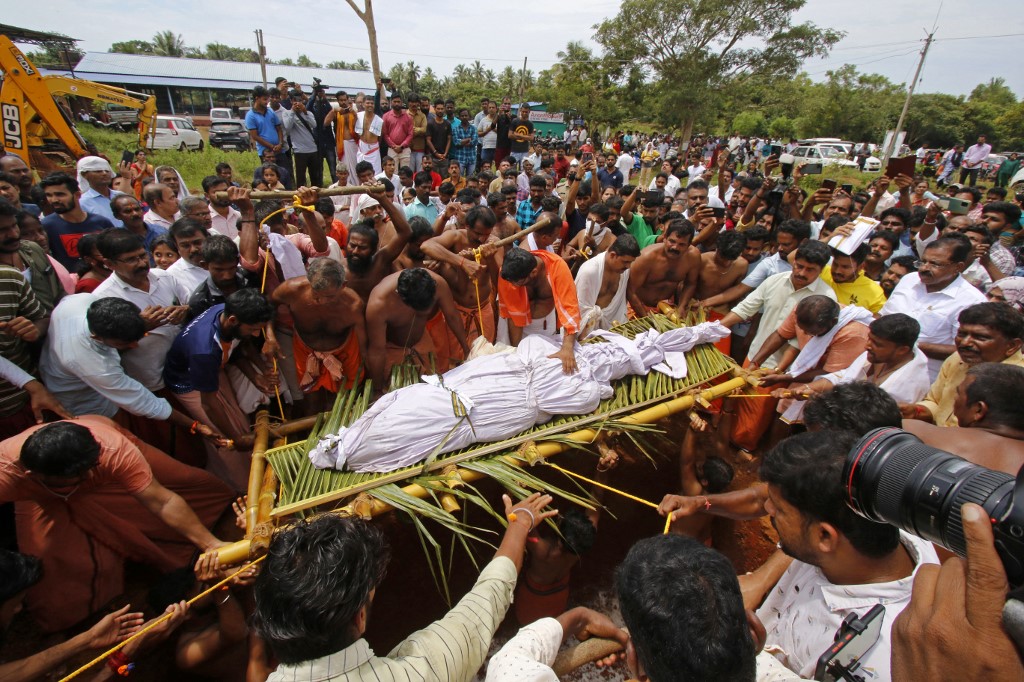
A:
[921, 263]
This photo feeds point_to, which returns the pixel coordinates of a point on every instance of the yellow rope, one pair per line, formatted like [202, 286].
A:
[158, 621]
[668, 519]
[476, 285]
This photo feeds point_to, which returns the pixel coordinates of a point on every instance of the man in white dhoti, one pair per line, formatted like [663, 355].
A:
[368, 128]
[494, 397]
[602, 284]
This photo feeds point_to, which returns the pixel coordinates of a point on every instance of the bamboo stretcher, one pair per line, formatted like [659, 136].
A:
[284, 484]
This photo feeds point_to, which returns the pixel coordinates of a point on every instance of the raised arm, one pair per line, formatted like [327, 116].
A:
[450, 312]
[390, 251]
[314, 227]
[248, 234]
[626, 213]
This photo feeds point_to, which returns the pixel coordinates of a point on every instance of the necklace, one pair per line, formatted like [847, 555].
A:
[57, 494]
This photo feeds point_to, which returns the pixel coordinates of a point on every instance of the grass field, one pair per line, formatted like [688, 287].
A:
[194, 166]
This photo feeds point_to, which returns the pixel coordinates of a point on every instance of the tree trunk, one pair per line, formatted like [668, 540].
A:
[371, 30]
[687, 131]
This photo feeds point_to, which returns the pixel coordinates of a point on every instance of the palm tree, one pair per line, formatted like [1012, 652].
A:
[412, 73]
[508, 80]
[360, 65]
[478, 70]
[338, 65]
[218, 51]
[490, 77]
[168, 44]
[460, 72]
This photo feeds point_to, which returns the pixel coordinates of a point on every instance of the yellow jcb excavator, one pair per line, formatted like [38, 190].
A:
[37, 121]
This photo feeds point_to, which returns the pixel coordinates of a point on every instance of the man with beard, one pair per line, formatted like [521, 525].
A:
[220, 255]
[602, 284]
[422, 206]
[989, 414]
[12, 164]
[129, 211]
[934, 295]
[330, 331]
[988, 332]
[344, 120]
[472, 283]
[668, 271]
[897, 270]
[28, 257]
[404, 313]
[849, 283]
[68, 222]
[223, 216]
[368, 265]
[881, 247]
[367, 129]
[396, 129]
[640, 225]
[597, 235]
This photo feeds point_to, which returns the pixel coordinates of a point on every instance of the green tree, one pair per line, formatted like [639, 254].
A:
[850, 105]
[782, 128]
[56, 56]
[697, 47]
[360, 65]
[995, 92]
[287, 61]
[1010, 127]
[936, 119]
[303, 60]
[749, 123]
[133, 47]
[583, 83]
[338, 65]
[168, 44]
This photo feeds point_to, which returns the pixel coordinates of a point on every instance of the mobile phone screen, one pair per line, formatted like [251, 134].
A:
[828, 184]
[127, 156]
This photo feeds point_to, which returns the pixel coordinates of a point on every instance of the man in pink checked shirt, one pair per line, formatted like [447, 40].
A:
[397, 132]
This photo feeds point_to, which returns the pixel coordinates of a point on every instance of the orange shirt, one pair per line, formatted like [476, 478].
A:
[514, 303]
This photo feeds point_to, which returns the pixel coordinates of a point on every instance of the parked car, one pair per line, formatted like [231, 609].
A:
[176, 132]
[221, 114]
[229, 135]
[833, 153]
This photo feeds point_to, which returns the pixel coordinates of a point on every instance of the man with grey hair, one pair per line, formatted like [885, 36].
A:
[196, 207]
[330, 330]
[163, 205]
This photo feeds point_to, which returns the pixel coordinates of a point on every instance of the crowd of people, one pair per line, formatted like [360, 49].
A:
[143, 323]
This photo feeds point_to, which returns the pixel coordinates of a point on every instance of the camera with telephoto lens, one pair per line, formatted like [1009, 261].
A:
[892, 477]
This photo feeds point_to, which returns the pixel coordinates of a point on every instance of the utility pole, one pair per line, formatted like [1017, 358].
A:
[522, 81]
[906, 105]
[262, 50]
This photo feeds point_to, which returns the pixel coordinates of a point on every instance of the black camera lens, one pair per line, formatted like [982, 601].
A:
[892, 477]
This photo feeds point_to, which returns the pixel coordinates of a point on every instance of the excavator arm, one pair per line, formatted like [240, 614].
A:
[146, 104]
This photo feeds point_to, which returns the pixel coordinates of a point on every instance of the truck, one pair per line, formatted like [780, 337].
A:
[37, 123]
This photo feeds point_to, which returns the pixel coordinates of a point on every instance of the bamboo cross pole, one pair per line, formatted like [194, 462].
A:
[543, 222]
[320, 192]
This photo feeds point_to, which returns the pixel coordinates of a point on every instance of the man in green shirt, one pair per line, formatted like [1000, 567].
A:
[641, 225]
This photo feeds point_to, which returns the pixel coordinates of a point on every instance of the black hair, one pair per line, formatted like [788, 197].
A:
[682, 604]
[264, 213]
[59, 179]
[625, 245]
[731, 243]
[756, 234]
[186, 227]
[364, 228]
[480, 214]
[896, 212]
[807, 469]
[817, 311]
[538, 181]
[63, 449]
[906, 262]
[1002, 317]
[417, 288]
[681, 227]
[998, 191]
[858, 406]
[494, 198]
[325, 207]
[318, 574]
[600, 210]
[211, 181]
[115, 243]
[653, 199]
[550, 204]
[518, 264]
[751, 183]
[421, 228]
[222, 166]
[697, 184]
[614, 202]
[977, 228]
[446, 188]
[86, 245]
[718, 473]
[115, 318]
[18, 572]
[800, 229]
[405, 172]
[1011, 212]
[999, 386]
[889, 236]
[164, 239]
[959, 247]
[465, 196]
[220, 249]
[423, 177]
[249, 306]
[834, 222]
[576, 532]
[973, 191]
[813, 252]
[364, 166]
[7, 209]
[859, 254]
[897, 328]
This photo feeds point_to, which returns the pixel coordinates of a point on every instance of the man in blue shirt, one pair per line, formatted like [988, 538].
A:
[68, 222]
[97, 193]
[464, 140]
[262, 123]
[610, 176]
[199, 354]
[422, 206]
[530, 208]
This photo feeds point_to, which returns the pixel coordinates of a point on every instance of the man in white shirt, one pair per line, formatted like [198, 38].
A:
[695, 172]
[187, 272]
[934, 296]
[163, 205]
[975, 155]
[625, 164]
[223, 217]
[842, 563]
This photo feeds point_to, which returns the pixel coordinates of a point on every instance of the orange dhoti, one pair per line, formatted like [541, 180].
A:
[753, 418]
[724, 345]
[430, 353]
[472, 320]
[331, 370]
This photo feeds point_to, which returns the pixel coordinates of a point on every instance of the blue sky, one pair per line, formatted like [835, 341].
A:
[442, 33]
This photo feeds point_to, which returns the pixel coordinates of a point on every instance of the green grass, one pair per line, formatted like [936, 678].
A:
[193, 166]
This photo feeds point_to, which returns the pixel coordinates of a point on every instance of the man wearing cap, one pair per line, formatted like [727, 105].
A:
[265, 128]
[95, 173]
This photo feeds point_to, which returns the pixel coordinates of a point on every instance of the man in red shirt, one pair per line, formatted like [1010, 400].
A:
[561, 164]
[397, 132]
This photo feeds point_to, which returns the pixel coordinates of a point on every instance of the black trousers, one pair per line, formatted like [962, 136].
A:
[308, 163]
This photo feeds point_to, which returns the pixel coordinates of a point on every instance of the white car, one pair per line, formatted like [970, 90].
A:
[832, 154]
[176, 132]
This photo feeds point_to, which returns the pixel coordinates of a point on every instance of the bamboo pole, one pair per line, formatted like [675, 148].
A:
[593, 649]
[320, 192]
[239, 551]
[256, 469]
[543, 222]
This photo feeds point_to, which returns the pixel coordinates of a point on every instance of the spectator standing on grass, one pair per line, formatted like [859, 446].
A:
[301, 127]
[975, 155]
[265, 128]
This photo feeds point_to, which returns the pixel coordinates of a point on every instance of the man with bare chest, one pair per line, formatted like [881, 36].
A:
[721, 269]
[330, 330]
[472, 283]
[412, 255]
[537, 295]
[404, 316]
[368, 265]
[667, 271]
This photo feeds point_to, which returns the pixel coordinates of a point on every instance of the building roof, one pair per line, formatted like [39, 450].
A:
[113, 67]
[27, 35]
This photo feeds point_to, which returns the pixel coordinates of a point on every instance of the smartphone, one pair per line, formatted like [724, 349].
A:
[776, 150]
[719, 212]
[847, 188]
[127, 156]
[959, 206]
[811, 169]
[851, 644]
[588, 157]
[828, 184]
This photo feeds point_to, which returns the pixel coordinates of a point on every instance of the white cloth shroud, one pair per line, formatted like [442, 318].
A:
[287, 255]
[500, 395]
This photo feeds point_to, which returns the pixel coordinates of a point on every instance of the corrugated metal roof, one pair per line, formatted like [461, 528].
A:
[208, 73]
